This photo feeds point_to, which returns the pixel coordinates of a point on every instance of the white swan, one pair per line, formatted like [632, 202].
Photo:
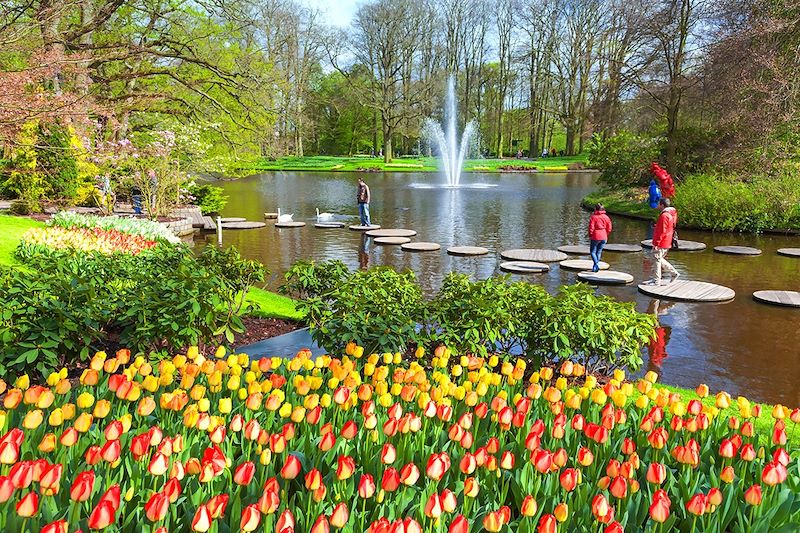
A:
[324, 215]
[284, 218]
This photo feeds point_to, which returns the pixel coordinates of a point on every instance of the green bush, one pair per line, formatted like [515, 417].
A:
[210, 198]
[306, 279]
[725, 203]
[623, 159]
[65, 304]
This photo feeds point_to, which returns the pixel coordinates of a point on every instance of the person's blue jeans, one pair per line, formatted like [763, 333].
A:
[137, 204]
[363, 212]
[596, 250]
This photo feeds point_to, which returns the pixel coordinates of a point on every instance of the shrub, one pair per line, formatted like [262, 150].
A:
[623, 159]
[306, 279]
[209, 198]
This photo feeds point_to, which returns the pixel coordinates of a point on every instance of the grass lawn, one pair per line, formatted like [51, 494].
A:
[410, 164]
[271, 305]
[629, 202]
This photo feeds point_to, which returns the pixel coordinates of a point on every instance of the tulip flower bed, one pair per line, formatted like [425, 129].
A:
[83, 240]
[377, 444]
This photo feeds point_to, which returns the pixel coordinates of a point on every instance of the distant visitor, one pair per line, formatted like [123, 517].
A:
[363, 202]
[599, 230]
[663, 235]
[654, 194]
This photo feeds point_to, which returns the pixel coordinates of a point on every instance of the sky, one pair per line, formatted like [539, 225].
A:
[338, 12]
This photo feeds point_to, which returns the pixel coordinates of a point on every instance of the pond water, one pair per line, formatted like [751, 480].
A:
[741, 346]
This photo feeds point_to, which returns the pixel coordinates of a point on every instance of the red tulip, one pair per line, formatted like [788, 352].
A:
[82, 487]
[585, 457]
[409, 474]
[659, 508]
[216, 505]
[468, 464]
[529, 506]
[340, 515]
[21, 475]
[748, 453]
[251, 518]
[773, 474]
[656, 473]
[172, 488]
[6, 489]
[349, 430]
[291, 467]
[697, 504]
[614, 527]
[111, 451]
[366, 486]
[202, 519]
[753, 495]
[727, 449]
[268, 502]
[327, 441]
[9, 453]
[112, 496]
[601, 510]
[388, 454]
[433, 507]
[50, 478]
[59, 526]
[449, 501]
[542, 460]
[244, 473]
[320, 525]
[459, 525]
[345, 466]
[93, 455]
[569, 479]
[28, 506]
[547, 524]
[390, 480]
[618, 487]
[437, 466]
[156, 507]
[102, 515]
[780, 456]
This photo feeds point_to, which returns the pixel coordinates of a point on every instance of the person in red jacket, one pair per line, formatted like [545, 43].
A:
[662, 240]
[599, 228]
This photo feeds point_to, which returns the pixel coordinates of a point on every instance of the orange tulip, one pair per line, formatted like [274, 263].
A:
[714, 497]
[507, 460]
[28, 506]
[569, 479]
[268, 502]
[6, 489]
[390, 480]
[59, 526]
[156, 507]
[111, 451]
[409, 474]
[345, 466]
[21, 475]
[433, 507]
[251, 518]
[202, 519]
[291, 467]
[459, 525]
[244, 473]
[602, 511]
[159, 464]
[753, 495]
[697, 504]
[349, 430]
[320, 525]
[9, 453]
[493, 521]
[547, 524]
[102, 515]
[366, 486]
[50, 478]
[471, 487]
[618, 487]
[659, 508]
[773, 474]
[388, 454]
[529, 506]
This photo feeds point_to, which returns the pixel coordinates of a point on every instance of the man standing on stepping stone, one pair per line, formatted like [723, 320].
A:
[662, 240]
[599, 228]
[363, 202]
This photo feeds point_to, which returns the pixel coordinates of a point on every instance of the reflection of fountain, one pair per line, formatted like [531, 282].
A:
[451, 151]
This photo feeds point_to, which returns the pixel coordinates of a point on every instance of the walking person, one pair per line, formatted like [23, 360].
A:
[599, 229]
[363, 202]
[663, 234]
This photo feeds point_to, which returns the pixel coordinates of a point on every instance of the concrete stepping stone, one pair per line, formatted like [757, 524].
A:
[232, 219]
[533, 254]
[789, 252]
[782, 298]
[467, 250]
[392, 240]
[622, 248]
[297, 224]
[575, 249]
[689, 291]
[685, 246]
[391, 233]
[737, 250]
[524, 267]
[605, 277]
[245, 225]
[270, 215]
[359, 227]
[329, 225]
[581, 264]
[420, 247]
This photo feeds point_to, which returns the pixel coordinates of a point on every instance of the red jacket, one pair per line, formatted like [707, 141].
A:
[665, 227]
[599, 226]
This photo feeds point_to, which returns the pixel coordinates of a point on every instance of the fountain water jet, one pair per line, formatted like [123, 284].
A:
[451, 151]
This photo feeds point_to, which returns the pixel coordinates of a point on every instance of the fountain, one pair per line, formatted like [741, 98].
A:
[452, 152]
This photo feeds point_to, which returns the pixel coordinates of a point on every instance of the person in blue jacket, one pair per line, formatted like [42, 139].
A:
[655, 194]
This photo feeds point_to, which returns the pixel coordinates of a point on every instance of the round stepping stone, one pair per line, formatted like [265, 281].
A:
[575, 249]
[533, 254]
[789, 252]
[328, 225]
[737, 250]
[288, 224]
[420, 247]
[245, 225]
[622, 248]
[782, 298]
[524, 267]
[232, 219]
[606, 277]
[685, 246]
[581, 264]
[689, 291]
[467, 250]
[391, 233]
[392, 240]
[358, 227]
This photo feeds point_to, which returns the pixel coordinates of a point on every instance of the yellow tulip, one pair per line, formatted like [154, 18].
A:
[83, 422]
[102, 408]
[33, 419]
[22, 382]
[651, 376]
[225, 405]
[642, 402]
[56, 417]
[67, 411]
[723, 400]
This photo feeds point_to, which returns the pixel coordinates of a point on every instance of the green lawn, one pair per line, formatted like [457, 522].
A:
[409, 164]
[629, 202]
[11, 230]
[271, 305]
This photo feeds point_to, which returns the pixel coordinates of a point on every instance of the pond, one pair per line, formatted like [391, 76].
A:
[743, 347]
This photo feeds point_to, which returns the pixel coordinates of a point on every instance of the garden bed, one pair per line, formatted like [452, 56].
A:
[258, 329]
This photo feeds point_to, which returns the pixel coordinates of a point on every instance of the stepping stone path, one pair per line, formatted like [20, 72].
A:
[622, 248]
[782, 298]
[524, 267]
[685, 246]
[245, 225]
[232, 219]
[575, 249]
[391, 233]
[533, 254]
[689, 291]
[288, 224]
[467, 250]
[737, 250]
[358, 227]
[581, 264]
[420, 247]
[328, 225]
[789, 252]
[606, 277]
[392, 240]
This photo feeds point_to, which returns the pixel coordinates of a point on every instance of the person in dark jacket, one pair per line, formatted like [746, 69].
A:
[662, 240]
[599, 229]
[363, 197]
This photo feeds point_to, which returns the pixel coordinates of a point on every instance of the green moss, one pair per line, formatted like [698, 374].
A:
[270, 305]
[11, 231]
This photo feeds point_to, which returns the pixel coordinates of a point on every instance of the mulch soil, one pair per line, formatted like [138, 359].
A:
[259, 329]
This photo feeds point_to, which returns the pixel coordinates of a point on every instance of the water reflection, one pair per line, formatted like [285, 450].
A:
[657, 349]
[741, 346]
